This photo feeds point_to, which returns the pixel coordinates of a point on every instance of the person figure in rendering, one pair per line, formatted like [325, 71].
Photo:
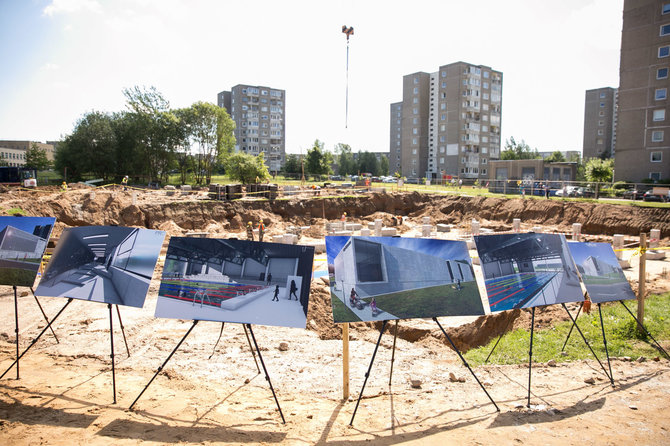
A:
[268, 279]
[276, 296]
[261, 231]
[353, 297]
[250, 231]
[293, 289]
[373, 307]
[124, 181]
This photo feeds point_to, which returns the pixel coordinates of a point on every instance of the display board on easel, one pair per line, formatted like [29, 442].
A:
[106, 264]
[240, 281]
[392, 278]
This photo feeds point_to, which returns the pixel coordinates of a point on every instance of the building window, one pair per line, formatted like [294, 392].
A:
[662, 73]
[416, 80]
[416, 90]
[661, 93]
[663, 51]
[656, 157]
[444, 74]
[657, 135]
[656, 176]
[601, 123]
[665, 30]
[602, 105]
[415, 141]
[602, 113]
[415, 100]
[665, 8]
[659, 115]
[415, 131]
[600, 132]
[602, 95]
[415, 111]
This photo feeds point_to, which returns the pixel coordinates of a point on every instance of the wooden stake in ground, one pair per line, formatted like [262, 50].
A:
[345, 361]
[641, 282]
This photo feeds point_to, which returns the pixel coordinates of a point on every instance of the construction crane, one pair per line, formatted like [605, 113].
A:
[349, 32]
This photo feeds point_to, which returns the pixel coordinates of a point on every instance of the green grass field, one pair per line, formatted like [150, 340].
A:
[443, 300]
[341, 313]
[17, 276]
[620, 330]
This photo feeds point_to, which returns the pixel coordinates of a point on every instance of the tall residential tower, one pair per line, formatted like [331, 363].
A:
[448, 122]
[600, 119]
[260, 120]
[643, 133]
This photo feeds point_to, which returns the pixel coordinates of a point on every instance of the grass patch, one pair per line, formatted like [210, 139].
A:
[17, 276]
[442, 300]
[620, 330]
[342, 313]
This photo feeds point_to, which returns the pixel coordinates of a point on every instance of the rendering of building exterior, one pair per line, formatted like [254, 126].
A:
[260, 120]
[643, 133]
[14, 152]
[448, 122]
[373, 268]
[600, 118]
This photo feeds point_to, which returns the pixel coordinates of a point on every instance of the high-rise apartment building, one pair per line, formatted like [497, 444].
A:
[600, 119]
[448, 122]
[260, 119]
[643, 130]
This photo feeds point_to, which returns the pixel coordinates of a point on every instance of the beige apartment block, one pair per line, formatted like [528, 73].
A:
[600, 117]
[643, 133]
[260, 121]
[449, 122]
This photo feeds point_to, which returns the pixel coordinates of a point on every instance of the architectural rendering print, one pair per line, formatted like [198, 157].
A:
[236, 281]
[22, 244]
[527, 270]
[602, 276]
[383, 278]
[110, 264]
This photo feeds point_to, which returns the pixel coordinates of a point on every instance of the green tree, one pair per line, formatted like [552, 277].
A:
[91, 148]
[555, 157]
[155, 132]
[368, 162]
[37, 158]
[292, 164]
[245, 168]
[597, 170]
[384, 165]
[211, 128]
[317, 161]
[346, 165]
[518, 151]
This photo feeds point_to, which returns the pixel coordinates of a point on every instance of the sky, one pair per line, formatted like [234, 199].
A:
[63, 58]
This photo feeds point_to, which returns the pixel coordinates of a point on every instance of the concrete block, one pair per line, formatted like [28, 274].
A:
[365, 232]
[516, 224]
[441, 227]
[655, 255]
[277, 239]
[425, 220]
[537, 229]
[388, 232]
[476, 261]
[618, 241]
[425, 230]
[345, 233]
[624, 264]
[352, 227]
[474, 227]
[471, 244]
[654, 238]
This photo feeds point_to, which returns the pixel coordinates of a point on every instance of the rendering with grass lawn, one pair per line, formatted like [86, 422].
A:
[22, 244]
[382, 278]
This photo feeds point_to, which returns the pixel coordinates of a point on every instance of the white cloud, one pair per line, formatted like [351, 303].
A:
[49, 67]
[70, 6]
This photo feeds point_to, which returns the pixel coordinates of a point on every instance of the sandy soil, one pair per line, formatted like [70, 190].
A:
[65, 396]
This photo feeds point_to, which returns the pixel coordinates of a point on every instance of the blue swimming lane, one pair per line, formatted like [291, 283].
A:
[515, 290]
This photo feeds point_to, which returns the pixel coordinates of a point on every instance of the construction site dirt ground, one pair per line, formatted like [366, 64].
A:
[64, 394]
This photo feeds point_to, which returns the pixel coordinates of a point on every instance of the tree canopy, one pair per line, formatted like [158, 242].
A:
[245, 168]
[518, 151]
[148, 140]
[598, 170]
[37, 158]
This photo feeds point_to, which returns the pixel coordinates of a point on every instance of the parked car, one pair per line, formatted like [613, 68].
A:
[336, 178]
[568, 191]
[412, 181]
[585, 192]
[632, 194]
[651, 196]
